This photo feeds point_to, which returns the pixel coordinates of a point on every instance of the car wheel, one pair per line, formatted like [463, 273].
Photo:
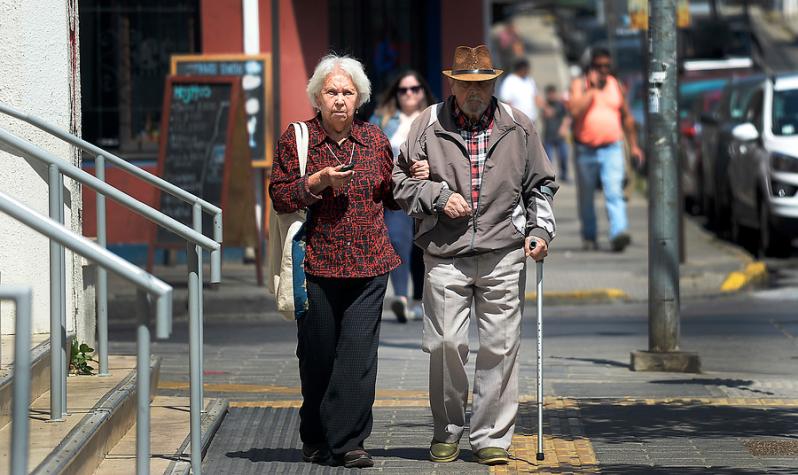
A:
[772, 243]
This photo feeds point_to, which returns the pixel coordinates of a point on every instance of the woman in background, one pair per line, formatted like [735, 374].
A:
[399, 105]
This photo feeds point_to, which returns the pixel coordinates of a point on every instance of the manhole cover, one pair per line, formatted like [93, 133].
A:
[772, 447]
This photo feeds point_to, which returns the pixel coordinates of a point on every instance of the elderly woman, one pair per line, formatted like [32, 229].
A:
[348, 258]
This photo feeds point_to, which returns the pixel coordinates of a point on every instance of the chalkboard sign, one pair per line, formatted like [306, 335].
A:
[254, 72]
[204, 150]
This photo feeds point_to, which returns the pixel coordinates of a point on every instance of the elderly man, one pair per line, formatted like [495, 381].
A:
[474, 175]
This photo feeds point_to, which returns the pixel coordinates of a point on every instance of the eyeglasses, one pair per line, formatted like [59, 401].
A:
[405, 90]
[601, 65]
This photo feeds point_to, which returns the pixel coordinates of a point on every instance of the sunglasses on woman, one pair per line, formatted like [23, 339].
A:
[405, 90]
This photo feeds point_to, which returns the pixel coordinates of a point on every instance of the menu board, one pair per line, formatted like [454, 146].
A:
[254, 72]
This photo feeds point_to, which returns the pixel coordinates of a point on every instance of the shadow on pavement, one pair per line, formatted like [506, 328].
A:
[598, 361]
[267, 455]
[727, 383]
[619, 469]
[636, 423]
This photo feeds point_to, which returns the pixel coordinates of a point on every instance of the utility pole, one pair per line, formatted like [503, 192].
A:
[663, 249]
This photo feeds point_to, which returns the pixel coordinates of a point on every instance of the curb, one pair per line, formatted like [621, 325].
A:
[754, 273]
[581, 296]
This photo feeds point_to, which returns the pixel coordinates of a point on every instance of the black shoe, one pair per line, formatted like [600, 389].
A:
[620, 242]
[399, 307]
[357, 458]
[315, 453]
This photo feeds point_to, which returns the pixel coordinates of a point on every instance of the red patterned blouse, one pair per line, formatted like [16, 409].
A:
[346, 230]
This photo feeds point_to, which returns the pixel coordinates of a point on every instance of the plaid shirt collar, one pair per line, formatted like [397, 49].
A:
[465, 124]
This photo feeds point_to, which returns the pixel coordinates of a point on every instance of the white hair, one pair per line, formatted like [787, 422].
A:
[350, 66]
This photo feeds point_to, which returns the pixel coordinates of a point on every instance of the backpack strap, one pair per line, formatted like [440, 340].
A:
[302, 139]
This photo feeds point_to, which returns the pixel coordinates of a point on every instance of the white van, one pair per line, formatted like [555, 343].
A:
[763, 166]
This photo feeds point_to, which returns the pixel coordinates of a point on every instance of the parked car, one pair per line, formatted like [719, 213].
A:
[690, 139]
[716, 135]
[763, 165]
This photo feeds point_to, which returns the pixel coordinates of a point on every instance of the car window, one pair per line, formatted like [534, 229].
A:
[785, 112]
[739, 102]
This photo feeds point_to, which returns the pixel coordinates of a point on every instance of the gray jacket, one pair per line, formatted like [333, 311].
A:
[517, 184]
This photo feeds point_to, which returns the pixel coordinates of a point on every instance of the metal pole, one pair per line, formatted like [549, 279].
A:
[20, 425]
[197, 221]
[142, 385]
[539, 290]
[102, 275]
[56, 401]
[663, 261]
[216, 255]
[65, 349]
[194, 357]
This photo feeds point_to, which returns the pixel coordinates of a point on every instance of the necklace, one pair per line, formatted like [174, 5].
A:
[352, 154]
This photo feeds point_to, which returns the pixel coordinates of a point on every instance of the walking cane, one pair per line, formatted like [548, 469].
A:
[539, 299]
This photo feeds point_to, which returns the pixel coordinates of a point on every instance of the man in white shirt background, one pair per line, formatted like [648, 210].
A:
[520, 91]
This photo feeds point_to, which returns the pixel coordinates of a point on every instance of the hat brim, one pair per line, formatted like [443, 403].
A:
[473, 77]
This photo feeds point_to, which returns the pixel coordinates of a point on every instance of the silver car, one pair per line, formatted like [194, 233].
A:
[763, 166]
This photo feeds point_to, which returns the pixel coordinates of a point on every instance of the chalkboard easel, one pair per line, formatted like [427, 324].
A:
[204, 150]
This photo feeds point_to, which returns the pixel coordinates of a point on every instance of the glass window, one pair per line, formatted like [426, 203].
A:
[785, 112]
[739, 102]
[125, 47]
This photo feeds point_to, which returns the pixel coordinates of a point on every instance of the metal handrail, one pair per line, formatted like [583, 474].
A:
[198, 204]
[154, 180]
[145, 281]
[20, 425]
[195, 242]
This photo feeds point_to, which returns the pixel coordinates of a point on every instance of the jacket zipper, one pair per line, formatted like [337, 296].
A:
[484, 170]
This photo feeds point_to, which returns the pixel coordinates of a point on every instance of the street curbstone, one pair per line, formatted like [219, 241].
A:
[754, 273]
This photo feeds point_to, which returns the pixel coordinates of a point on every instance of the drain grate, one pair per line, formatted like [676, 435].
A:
[772, 447]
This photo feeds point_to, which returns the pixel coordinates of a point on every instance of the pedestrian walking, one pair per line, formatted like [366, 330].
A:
[601, 118]
[556, 127]
[399, 105]
[520, 90]
[348, 258]
[474, 174]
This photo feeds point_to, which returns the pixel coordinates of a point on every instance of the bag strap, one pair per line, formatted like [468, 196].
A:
[301, 132]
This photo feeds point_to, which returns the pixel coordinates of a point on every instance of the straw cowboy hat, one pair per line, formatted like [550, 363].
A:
[472, 64]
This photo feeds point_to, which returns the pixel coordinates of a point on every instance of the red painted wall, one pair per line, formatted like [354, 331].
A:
[459, 30]
[304, 39]
[222, 27]
[123, 226]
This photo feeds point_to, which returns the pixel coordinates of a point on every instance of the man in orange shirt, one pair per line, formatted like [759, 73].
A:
[601, 118]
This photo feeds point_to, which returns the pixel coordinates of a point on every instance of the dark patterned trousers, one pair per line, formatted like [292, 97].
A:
[337, 349]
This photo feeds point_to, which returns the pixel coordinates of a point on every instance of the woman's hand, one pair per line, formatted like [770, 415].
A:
[329, 177]
[420, 170]
[336, 179]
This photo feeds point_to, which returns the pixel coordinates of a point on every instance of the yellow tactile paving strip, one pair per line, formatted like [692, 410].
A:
[570, 451]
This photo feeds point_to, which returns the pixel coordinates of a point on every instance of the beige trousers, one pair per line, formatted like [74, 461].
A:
[494, 284]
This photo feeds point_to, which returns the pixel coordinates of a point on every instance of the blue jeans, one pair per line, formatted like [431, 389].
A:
[560, 148]
[400, 231]
[606, 164]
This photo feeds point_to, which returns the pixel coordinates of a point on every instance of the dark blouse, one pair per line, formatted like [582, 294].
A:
[346, 230]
